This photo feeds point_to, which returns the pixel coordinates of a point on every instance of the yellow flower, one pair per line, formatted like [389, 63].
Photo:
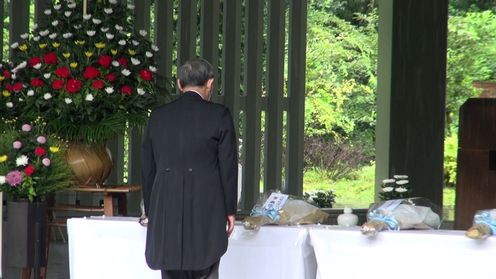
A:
[54, 149]
[88, 53]
[3, 158]
[6, 93]
[42, 46]
[79, 42]
[100, 45]
[66, 54]
[113, 51]
[23, 47]
[73, 65]
[55, 44]
[131, 51]
[2, 77]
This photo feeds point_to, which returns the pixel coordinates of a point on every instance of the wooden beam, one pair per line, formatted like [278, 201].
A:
[209, 35]
[39, 7]
[164, 25]
[186, 31]
[19, 21]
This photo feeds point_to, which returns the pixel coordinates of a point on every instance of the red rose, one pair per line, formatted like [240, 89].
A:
[98, 84]
[34, 61]
[17, 86]
[105, 61]
[63, 72]
[146, 75]
[58, 84]
[50, 58]
[126, 90]
[36, 82]
[8, 87]
[39, 151]
[91, 72]
[123, 61]
[73, 86]
[110, 77]
[7, 74]
[29, 170]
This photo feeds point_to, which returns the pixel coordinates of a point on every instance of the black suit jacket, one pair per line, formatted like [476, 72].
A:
[189, 177]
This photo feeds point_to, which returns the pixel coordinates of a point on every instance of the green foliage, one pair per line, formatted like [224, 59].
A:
[450, 156]
[322, 199]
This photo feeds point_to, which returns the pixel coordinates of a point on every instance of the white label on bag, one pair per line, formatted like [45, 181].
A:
[275, 201]
[390, 205]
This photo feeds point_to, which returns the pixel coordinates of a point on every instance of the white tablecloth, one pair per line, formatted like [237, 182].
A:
[346, 253]
[113, 247]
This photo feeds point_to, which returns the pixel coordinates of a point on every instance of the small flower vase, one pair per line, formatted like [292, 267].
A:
[347, 219]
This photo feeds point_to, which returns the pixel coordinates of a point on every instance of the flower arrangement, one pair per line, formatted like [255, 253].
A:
[395, 188]
[322, 199]
[32, 164]
[87, 76]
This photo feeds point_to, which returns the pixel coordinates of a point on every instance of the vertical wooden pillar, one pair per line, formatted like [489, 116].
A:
[209, 34]
[163, 36]
[186, 31]
[19, 20]
[296, 95]
[275, 87]
[39, 7]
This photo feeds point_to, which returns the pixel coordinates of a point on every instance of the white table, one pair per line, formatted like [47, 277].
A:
[272, 252]
[346, 253]
[114, 247]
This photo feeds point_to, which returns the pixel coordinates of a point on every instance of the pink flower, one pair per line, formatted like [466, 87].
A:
[14, 178]
[46, 162]
[26, 127]
[41, 139]
[17, 144]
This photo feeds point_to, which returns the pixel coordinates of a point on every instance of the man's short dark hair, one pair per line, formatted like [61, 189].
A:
[195, 72]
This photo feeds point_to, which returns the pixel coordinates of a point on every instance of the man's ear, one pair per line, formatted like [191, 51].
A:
[210, 83]
[179, 85]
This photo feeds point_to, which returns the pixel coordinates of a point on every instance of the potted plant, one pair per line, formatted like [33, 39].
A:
[89, 75]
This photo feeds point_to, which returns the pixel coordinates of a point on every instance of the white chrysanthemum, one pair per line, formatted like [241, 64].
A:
[399, 177]
[153, 69]
[148, 54]
[22, 160]
[104, 29]
[24, 36]
[97, 21]
[113, 2]
[37, 66]
[135, 61]
[141, 91]
[91, 33]
[390, 180]
[55, 23]
[67, 13]
[89, 98]
[21, 65]
[109, 90]
[126, 72]
[71, 6]
[9, 104]
[402, 182]
[14, 76]
[53, 36]
[21, 99]
[47, 75]
[36, 38]
[135, 43]
[387, 189]
[67, 35]
[155, 48]
[86, 17]
[130, 6]
[2, 179]
[118, 27]
[400, 189]
[115, 63]
[109, 36]
[143, 32]
[14, 45]
[108, 10]
[48, 12]
[35, 26]
[77, 26]
[68, 100]
[57, 7]
[122, 42]
[44, 33]
[47, 96]
[30, 92]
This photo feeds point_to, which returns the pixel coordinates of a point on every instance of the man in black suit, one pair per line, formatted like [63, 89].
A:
[189, 176]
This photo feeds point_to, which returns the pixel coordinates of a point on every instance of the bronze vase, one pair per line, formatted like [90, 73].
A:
[91, 163]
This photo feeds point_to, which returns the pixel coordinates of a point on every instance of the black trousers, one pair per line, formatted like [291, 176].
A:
[209, 273]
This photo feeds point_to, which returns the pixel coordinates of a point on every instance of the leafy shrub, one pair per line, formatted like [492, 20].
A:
[321, 198]
[450, 156]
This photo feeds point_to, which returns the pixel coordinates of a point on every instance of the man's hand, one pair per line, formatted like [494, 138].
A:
[230, 224]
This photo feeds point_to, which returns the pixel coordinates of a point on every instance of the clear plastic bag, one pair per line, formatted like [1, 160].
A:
[295, 211]
[484, 224]
[401, 214]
